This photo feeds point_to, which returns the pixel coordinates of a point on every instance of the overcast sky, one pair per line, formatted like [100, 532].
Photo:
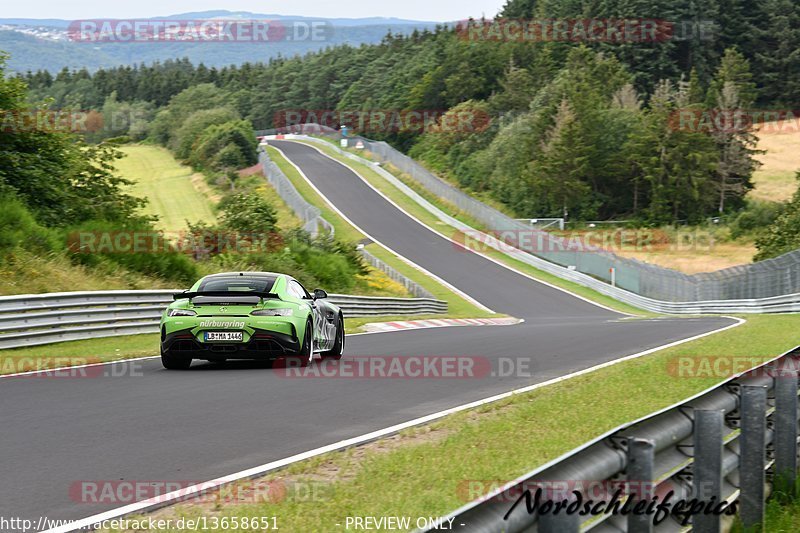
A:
[436, 10]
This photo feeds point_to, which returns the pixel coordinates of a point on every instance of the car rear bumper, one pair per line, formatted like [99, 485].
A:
[262, 345]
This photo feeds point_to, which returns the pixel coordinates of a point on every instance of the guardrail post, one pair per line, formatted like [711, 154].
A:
[707, 467]
[752, 455]
[641, 483]
[785, 426]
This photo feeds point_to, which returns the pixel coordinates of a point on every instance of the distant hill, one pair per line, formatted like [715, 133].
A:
[44, 43]
[225, 14]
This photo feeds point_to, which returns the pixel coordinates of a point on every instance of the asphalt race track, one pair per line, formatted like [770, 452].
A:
[135, 421]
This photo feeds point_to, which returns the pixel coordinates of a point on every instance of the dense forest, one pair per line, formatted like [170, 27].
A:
[581, 129]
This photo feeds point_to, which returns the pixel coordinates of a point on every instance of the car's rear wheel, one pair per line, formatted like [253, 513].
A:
[335, 353]
[306, 353]
[174, 362]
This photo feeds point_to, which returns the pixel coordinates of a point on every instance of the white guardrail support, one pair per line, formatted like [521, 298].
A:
[34, 319]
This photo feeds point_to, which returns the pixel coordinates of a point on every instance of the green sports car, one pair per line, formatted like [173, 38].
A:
[250, 315]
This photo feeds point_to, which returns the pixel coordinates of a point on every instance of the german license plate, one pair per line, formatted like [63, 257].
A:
[230, 336]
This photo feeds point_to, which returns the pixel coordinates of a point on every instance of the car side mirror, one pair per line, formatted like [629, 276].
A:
[319, 293]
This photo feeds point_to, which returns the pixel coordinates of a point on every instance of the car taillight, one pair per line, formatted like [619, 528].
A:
[181, 312]
[280, 311]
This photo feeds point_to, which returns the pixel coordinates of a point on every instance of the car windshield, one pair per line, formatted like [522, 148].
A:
[243, 284]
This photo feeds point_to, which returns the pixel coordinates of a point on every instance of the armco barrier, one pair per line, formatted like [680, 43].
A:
[283, 186]
[411, 286]
[737, 440]
[776, 304]
[34, 319]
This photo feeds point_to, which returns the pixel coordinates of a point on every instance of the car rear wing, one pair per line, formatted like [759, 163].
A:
[227, 296]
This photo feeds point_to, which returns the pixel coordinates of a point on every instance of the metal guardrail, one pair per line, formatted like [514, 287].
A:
[35, 319]
[776, 304]
[764, 279]
[411, 286]
[737, 440]
[287, 191]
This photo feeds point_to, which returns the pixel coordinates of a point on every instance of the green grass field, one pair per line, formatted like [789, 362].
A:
[782, 516]
[168, 186]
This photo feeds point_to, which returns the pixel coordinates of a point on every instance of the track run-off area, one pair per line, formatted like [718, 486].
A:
[140, 422]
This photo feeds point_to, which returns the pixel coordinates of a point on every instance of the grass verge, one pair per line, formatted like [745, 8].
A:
[23, 272]
[424, 471]
[73, 353]
[782, 515]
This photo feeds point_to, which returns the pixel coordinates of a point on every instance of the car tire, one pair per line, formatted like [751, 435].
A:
[306, 353]
[174, 362]
[336, 352]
